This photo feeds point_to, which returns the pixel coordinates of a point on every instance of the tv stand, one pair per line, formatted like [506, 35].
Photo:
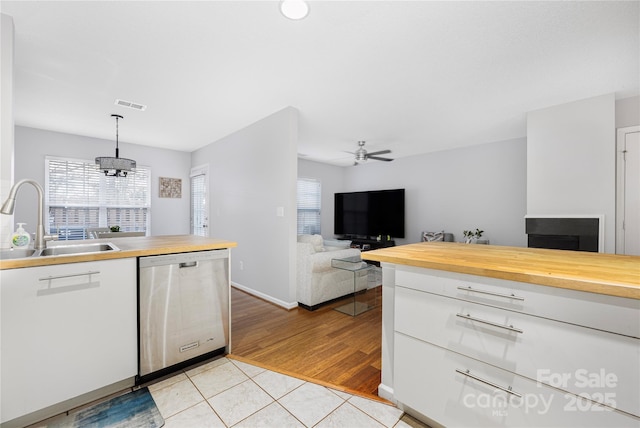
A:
[370, 244]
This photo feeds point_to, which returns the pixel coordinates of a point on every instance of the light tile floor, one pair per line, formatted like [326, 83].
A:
[230, 393]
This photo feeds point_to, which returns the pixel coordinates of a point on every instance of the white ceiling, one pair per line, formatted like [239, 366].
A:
[414, 76]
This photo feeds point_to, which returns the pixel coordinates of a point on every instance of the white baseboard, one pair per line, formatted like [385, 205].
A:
[385, 392]
[266, 297]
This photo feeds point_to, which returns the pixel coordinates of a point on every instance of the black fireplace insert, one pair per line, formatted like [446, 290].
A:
[562, 233]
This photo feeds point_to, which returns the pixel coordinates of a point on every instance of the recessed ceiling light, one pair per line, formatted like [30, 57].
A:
[131, 104]
[294, 9]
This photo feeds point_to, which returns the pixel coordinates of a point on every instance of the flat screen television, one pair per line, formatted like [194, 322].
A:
[369, 214]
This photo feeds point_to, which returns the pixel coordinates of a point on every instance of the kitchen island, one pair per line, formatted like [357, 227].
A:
[481, 335]
[70, 323]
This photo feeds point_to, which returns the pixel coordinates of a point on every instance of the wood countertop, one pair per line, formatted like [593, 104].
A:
[609, 274]
[129, 247]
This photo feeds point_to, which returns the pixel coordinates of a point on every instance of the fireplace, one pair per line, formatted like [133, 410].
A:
[565, 233]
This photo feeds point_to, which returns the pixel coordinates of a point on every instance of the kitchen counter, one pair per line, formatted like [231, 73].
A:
[608, 274]
[129, 247]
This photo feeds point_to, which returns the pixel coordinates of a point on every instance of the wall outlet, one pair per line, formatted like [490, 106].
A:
[241, 265]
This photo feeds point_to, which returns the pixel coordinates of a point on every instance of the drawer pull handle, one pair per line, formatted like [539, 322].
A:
[491, 293]
[506, 327]
[508, 390]
[72, 275]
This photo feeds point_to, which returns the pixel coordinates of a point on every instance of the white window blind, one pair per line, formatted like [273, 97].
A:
[78, 196]
[309, 193]
[199, 205]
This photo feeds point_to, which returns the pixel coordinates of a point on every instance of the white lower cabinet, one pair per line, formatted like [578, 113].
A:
[67, 330]
[509, 354]
[454, 390]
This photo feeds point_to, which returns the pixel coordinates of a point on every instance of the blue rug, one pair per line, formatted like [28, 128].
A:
[135, 409]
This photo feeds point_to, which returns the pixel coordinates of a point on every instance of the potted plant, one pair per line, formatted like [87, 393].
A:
[114, 228]
[471, 237]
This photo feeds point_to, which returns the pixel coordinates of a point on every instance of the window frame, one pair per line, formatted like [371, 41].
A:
[101, 206]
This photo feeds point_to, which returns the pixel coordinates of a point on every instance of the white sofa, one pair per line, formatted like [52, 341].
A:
[317, 281]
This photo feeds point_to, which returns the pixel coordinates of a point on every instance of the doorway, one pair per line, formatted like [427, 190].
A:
[199, 200]
[628, 191]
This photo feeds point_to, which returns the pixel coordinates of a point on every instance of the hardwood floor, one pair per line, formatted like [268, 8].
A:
[323, 345]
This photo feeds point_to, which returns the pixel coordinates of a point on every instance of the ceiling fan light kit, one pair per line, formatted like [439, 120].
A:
[362, 155]
[115, 166]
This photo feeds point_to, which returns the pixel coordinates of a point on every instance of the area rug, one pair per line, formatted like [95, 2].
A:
[135, 409]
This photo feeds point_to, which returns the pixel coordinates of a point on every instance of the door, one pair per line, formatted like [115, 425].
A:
[628, 191]
[199, 201]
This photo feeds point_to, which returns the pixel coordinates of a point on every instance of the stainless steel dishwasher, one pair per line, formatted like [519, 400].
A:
[183, 310]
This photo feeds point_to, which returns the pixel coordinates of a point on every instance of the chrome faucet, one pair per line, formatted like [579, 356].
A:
[8, 206]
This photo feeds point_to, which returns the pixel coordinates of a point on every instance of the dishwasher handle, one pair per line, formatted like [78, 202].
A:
[188, 264]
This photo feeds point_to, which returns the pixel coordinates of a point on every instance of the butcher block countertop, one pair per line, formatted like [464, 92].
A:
[609, 274]
[129, 247]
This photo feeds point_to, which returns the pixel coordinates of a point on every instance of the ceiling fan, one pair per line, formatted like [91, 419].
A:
[363, 156]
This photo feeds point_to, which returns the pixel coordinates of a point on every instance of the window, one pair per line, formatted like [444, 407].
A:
[78, 196]
[199, 208]
[308, 206]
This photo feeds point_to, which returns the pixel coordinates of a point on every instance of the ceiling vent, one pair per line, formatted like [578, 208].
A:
[131, 104]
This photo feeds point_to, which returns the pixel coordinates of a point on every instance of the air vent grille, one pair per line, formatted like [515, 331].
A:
[131, 104]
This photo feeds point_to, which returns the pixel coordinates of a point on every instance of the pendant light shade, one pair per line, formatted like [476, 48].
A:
[115, 167]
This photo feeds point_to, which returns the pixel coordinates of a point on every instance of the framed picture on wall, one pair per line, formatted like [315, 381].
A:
[170, 187]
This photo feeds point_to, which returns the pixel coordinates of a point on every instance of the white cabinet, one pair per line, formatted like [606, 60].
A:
[66, 330]
[463, 343]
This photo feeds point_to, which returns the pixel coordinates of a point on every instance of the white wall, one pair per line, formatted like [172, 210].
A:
[252, 174]
[481, 186]
[331, 178]
[6, 122]
[571, 161]
[628, 112]
[168, 216]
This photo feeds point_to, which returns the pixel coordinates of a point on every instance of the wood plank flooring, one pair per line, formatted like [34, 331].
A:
[324, 345]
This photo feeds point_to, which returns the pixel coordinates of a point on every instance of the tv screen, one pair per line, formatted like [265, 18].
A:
[371, 213]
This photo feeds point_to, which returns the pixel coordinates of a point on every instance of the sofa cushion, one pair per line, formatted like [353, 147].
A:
[315, 240]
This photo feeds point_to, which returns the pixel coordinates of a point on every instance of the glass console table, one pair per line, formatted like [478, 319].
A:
[359, 269]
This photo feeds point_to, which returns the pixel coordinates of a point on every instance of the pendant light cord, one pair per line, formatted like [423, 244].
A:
[117, 116]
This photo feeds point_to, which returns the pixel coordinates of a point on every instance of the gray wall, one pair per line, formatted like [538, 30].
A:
[168, 216]
[628, 112]
[252, 173]
[481, 186]
[571, 161]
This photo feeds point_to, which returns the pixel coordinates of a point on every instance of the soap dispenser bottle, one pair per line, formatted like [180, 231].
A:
[20, 239]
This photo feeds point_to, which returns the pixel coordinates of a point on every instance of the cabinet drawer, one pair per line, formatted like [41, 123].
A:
[609, 313]
[435, 382]
[566, 356]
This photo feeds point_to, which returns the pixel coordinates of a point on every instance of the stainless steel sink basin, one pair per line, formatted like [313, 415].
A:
[62, 250]
[58, 250]
[16, 253]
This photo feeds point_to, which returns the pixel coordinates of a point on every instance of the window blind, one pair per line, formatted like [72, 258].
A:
[78, 196]
[309, 195]
[198, 205]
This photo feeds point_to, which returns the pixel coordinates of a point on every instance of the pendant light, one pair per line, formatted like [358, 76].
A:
[115, 167]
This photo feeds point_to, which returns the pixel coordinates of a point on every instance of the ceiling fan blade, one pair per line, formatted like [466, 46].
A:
[381, 152]
[379, 158]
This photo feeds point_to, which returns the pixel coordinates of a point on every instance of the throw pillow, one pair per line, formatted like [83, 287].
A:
[432, 236]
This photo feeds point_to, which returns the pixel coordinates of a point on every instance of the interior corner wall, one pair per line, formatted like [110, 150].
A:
[7, 33]
[571, 161]
[481, 186]
[252, 179]
[169, 216]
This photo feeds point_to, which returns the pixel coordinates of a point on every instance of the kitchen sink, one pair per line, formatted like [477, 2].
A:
[16, 253]
[58, 250]
[62, 250]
